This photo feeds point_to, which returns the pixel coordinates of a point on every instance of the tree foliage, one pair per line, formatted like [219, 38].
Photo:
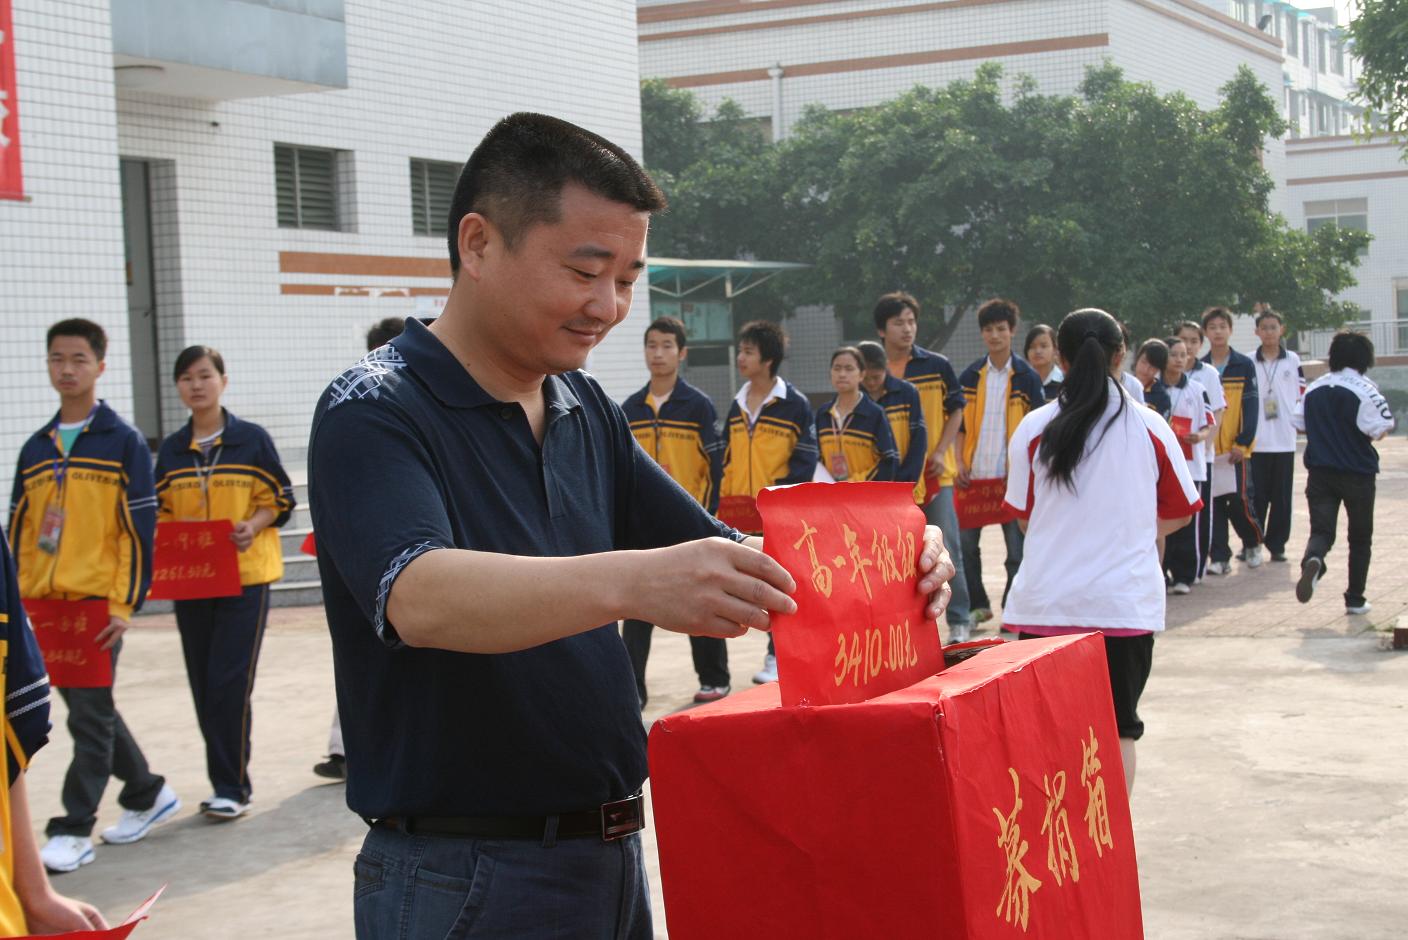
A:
[1380, 34]
[1117, 197]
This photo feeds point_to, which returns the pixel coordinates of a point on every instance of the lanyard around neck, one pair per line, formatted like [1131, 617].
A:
[61, 466]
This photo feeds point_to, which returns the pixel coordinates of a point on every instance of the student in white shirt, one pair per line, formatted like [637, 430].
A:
[1190, 416]
[1198, 371]
[1282, 383]
[1096, 480]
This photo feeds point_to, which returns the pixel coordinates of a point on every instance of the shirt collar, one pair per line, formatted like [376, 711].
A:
[234, 433]
[1281, 353]
[992, 368]
[779, 390]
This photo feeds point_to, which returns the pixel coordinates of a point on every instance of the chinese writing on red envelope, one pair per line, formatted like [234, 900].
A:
[66, 631]
[981, 503]
[194, 560]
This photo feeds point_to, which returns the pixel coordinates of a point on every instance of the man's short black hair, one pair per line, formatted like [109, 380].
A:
[1351, 350]
[1267, 313]
[873, 354]
[384, 331]
[671, 325]
[892, 305]
[999, 310]
[770, 340]
[96, 336]
[1216, 313]
[515, 176]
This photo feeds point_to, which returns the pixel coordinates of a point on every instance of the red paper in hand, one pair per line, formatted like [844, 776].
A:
[1182, 426]
[859, 630]
[194, 560]
[119, 932]
[309, 546]
[66, 631]
[741, 512]
[981, 503]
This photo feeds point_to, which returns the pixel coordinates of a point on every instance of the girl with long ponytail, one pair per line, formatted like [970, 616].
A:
[1096, 480]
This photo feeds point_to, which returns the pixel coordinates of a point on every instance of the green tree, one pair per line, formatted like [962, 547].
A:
[1380, 34]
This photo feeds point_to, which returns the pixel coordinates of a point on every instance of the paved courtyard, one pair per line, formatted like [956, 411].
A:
[1271, 800]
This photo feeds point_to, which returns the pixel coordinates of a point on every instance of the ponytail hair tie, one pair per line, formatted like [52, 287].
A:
[1090, 334]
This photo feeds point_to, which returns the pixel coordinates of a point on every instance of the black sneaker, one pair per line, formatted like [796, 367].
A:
[1278, 556]
[334, 768]
[1310, 571]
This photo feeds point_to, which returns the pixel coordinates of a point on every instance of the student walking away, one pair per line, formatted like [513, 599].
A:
[999, 389]
[1149, 364]
[676, 425]
[1190, 417]
[1096, 481]
[220, 467]
[1342, 415]
[900, 401]
[28, 903]
[1191, 333]
[1040, 352]
[852, 431]
[896, 319]
[81, 521]
[485, 518]
[769, 439]
[334, 767]
[1130, 383]
[1281, 382]
[1236, 435]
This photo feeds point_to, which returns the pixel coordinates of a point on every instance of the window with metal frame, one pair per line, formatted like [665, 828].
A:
[1346, 213]
[432, 189]
[306, 181]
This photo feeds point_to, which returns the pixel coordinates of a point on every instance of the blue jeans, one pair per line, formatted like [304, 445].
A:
[940, 512]
[431, 888]
[973, 562]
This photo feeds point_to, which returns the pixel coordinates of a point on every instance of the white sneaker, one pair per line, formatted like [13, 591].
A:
[1363, 608]
[222, 808]
[1180, 588]
[66, 853]
[1218, 567]
[134, 825]
[959, 633]
[769, 671]
[1254, 557]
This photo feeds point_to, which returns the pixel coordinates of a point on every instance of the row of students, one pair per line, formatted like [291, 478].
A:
[82, 518]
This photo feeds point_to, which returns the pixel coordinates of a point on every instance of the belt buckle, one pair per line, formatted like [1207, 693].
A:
[622, 818]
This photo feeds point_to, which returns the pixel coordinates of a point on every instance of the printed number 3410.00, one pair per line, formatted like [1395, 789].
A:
[869, 653]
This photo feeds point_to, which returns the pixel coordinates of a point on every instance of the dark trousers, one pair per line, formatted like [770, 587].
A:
[220, 638]
[973, 563]
[102, 748]
[1203, 536]
[1181, 553]
[710, 655]
[411, 887]
[1324, 491]
[1236, 508]
[1272, 475]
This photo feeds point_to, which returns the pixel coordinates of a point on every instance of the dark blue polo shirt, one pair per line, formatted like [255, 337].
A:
[408, 455]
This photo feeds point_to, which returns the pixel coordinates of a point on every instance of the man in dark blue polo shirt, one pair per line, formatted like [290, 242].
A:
[484, 518]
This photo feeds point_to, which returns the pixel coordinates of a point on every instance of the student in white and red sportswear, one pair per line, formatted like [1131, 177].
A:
[1191, 332]
[1095, 480]
[1190, 416]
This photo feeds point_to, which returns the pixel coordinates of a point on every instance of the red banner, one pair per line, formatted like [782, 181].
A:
[984, 803]
[66, 631]
[11, 176]
[194, 560]
[981, 503]
[741, 512]
[859, 630]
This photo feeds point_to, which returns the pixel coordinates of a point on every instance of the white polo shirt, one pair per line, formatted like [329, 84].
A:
[1188, 399]
[1091, 558]
[1206, 376]
[1281, 381]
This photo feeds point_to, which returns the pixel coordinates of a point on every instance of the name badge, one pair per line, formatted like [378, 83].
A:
[51, 529]
[1271, 407]
[838, 467]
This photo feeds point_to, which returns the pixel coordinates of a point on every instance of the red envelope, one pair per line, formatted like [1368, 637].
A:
[982, 503]
[1182, 426]
[859, 630]
[66, 631]
[194, 560]
[741, 512]
[119, 932]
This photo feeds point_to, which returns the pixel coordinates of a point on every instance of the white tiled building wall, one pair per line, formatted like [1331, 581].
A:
[423, 83]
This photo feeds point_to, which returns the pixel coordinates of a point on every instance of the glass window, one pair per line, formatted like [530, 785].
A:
[432, 189]
[1402, 292]
[306, 184]
[1322, 53]
[1346, 213]
[1292, 34]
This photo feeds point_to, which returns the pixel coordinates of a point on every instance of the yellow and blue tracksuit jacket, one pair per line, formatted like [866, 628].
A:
[1024, 392]
[940, 395]
[109, 506]
[24, 688]
[903, 408]
[867, 443]
[1243, 404]
[682, 436]
[242, 474]
[780, 448]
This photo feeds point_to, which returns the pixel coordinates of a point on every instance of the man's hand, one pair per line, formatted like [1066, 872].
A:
[935, 571]
[965, 473]
[51, 912]
[711, 587]
[243, 535]
[1235, 454]
[108, 636]
[934, 466]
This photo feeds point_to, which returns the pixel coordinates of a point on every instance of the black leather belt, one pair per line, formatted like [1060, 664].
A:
[609, 822]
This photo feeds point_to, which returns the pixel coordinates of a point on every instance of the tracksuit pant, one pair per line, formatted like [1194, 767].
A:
[1324, 491]
[1272, 476]
[973, 563]
[1236, 508]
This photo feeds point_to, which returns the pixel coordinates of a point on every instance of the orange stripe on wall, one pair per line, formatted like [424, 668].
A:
[912, 9]
[359, 290]
[312, 262]
[1347, 178]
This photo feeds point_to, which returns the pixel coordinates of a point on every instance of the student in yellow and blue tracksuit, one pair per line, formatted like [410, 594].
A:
[82, 516]
[769, 438]
[900, 400]
[28, 904]
[999, 390]
[219, 467]
[676, 424]
[1233, 443]
[852, 431]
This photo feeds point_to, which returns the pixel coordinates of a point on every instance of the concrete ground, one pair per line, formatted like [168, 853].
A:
[1270, 801]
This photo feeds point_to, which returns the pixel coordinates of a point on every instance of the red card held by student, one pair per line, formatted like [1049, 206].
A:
[981, 503]
[120, 932]
[66, 632]
[194, 560]
[859, 630]
[741, 512]
[1182, 426]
